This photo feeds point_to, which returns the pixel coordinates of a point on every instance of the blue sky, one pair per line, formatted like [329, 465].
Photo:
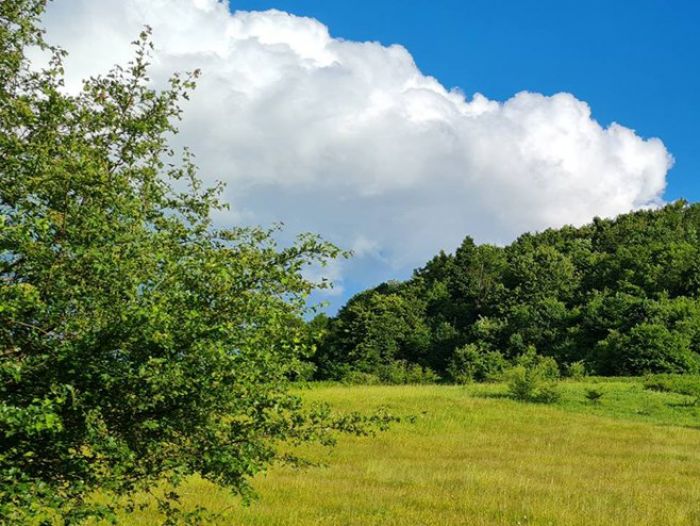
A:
[635, 62]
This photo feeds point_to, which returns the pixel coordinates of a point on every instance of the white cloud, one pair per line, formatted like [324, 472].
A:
[351, 140]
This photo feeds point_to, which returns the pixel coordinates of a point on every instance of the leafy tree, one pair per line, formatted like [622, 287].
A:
[477, 278]
[137, 341]
[375, 329]
[471, 363]
[647, 348]
[640, 335]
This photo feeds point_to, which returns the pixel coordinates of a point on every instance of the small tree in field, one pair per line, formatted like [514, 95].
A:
[534, 378]
[138, 343]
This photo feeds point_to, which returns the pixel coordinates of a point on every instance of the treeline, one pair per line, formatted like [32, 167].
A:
[615, 297]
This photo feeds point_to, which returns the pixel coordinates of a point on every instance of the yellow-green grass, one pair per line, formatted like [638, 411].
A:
[473, 457]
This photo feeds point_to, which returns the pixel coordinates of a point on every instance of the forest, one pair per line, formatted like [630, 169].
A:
[614, 297]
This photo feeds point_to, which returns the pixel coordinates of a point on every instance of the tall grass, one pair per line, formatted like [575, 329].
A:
[473, 457]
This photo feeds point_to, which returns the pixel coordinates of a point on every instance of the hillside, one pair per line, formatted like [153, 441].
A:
[618, 297]
[473, 456]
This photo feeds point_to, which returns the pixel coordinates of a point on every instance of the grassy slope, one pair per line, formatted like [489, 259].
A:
[474, 457]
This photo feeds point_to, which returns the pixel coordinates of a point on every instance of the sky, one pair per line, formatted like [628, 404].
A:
[397, 128]
[634, 61]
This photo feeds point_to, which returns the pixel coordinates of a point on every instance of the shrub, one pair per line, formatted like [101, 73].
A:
[548, 393]
[469, 363]
[416, 374]
[521, 385]
[533, 379]
[576, 370]
[403, 372]
[546, 365]
[594, 395]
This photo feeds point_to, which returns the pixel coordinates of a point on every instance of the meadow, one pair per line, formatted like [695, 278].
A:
[470, 455]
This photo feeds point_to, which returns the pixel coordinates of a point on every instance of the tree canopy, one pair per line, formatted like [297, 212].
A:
[620, 295]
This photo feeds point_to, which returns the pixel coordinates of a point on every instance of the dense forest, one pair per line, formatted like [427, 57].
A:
[616, 297]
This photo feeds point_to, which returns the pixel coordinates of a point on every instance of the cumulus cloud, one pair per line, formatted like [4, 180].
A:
[351, 140]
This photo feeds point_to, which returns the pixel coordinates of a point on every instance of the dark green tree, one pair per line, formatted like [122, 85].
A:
[375, 329]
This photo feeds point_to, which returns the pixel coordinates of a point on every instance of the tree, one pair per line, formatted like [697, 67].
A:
[664, 339]
[138, 342]
[374, 330]
[470, 363]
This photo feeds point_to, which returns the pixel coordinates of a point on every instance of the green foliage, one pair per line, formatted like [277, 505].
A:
[373, 331]
[545, 365]
[534, 379]
[137, 341]
[469, 363]
[403, 372]
[576, 370]
[621, 296]
[393, 373]
[646, 348]
[547, 393]
[520, 384]
[594, 395]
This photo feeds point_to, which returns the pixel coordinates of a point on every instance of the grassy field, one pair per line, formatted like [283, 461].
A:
[473, 456]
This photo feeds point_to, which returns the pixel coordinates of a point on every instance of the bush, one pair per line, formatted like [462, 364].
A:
[576, 370]
[533, 379]
[395, 373]
[469, 363]
[416, 374]
[548, 393]
[646, 348]
[403, 372]
[546, 366]
[521, 385]
[594, 395]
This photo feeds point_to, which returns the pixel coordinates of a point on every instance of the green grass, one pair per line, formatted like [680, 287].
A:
[623, 398]
[474, 457]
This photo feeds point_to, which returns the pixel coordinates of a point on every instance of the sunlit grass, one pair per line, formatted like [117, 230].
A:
[474, 457]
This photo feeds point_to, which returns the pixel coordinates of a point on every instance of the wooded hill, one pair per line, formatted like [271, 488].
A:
[620, 297]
